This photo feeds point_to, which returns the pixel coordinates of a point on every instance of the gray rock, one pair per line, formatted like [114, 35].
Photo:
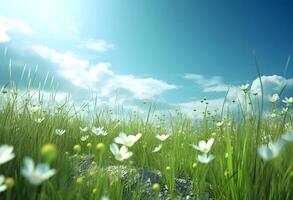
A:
[134, 180]
[145, 180]
[82, 165]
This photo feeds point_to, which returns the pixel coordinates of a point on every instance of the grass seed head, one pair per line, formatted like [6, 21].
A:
[100, 147]
[49, 152]
[9, 182]
[156, 187]
[77, 148]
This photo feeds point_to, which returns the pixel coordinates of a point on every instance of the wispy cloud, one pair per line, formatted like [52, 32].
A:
[97, 45]
[9, 25]
[213, 84]
[100, 78]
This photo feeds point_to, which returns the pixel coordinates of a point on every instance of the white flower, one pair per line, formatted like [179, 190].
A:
[59, 132]
[3, 187]
[36, 174]
[244, 88]
[288, 101]
[288, 136]
[85, 129]
[162, 137]
[275, 98]
[127, 140]
[205, 158]
[84, 138]
[157, 149]
[284, 110]
[6, 153]
[35, 108]
[40, 120]
[272, 150]
[120, 154]
[99, 131]
[220, 123]
[204, 146]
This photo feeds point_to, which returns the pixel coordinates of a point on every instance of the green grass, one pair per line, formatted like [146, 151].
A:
[241, 175]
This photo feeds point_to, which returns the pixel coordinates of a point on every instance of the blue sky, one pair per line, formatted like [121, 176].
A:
[173, 52]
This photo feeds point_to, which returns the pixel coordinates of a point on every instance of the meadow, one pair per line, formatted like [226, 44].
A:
[60, 152]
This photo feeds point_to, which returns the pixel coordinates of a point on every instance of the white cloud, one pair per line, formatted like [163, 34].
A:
[214, 106]
[213, 84]
[98, 45]
[65, 60]
[7, 25]
[71, 66]
[140, 88]
[273, 84]
[101, 79]
[47, 96]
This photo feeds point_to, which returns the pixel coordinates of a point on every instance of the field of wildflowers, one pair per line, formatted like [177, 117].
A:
[57, 153]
